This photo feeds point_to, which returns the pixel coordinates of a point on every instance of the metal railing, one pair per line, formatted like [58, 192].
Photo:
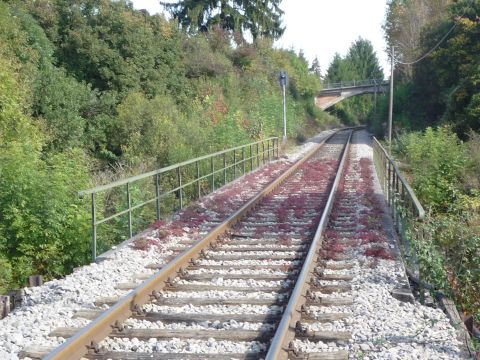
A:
[353, 83]
[407, 212]
[395, 187]
[174, 185]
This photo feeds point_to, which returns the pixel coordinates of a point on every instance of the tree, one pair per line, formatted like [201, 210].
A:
[360, 63]
[315, 68]
[364, 60]
[260, 18]
[404, 24]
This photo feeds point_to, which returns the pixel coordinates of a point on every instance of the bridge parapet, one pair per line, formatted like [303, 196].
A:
[354, 84]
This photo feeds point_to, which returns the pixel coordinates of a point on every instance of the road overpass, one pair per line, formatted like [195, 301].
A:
[333, 93]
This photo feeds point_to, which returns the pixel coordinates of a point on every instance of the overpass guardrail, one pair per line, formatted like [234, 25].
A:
[353, 83]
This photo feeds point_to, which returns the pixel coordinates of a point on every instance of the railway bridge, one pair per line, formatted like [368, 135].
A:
[333, 93]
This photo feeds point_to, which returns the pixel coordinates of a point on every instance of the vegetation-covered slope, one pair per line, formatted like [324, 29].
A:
[438, 97]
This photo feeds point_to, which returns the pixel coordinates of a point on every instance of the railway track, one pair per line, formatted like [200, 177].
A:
[234, 291]
[237, 288]
[296, 273]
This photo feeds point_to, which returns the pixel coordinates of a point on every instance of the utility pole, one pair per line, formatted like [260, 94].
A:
[390, 107]
[283, 77]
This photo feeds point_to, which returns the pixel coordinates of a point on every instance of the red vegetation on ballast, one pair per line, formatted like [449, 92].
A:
[285, 227]
[144, 244]
[345, 218]
[381, 253]
[331, 234]
[335, 247]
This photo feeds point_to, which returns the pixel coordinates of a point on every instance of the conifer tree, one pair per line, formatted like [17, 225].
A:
[262, 18]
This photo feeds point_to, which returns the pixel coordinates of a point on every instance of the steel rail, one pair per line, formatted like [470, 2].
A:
[285, 332]
[86, 338]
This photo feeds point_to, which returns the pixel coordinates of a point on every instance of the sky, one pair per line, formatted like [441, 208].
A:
[323, 27]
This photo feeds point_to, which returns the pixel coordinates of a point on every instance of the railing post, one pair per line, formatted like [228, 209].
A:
[198, 179]
[394, 197]
[94, 228]
[390, 200]
[243, 160]
[258, 155]
[224, 169]
[397, 194]
[212, 167]
[268, 150]
[180, 192]
[129, 202]
[385, 178]
[251, 157]
[157, 192]
[263, 152]
[234, 164]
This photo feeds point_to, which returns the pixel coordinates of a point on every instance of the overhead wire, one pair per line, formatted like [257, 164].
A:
[432, 49]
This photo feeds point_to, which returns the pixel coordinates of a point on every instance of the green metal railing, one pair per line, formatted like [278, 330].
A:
[172, 187]
[407, 212]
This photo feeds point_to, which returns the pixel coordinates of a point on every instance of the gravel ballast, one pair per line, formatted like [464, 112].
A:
[382, 327]
[53, 304]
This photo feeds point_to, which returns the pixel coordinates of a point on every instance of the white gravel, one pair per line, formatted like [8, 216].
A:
[237, 272]
[382, 327]
[210, 346]
[213, 309]
[228, 325]
[52, 305]
[238, 282]
[220, 294]
[248, 262]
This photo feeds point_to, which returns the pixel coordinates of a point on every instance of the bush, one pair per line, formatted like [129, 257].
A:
[438, 160]
[443, 175]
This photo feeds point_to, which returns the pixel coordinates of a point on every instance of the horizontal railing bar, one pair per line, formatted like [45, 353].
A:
[350, 83]
[168, 168]
[123, 212]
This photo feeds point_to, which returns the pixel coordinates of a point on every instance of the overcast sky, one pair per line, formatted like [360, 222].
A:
[323, 27]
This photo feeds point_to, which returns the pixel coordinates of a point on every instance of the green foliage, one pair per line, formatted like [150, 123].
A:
[5, 275]
[436, 172]
[95, 89]
[444, 179]
[442, 88]
[448, 255]
[361, 63]
[260, 18]
[43, 229]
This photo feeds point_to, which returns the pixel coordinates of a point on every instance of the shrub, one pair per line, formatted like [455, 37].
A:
[438, 160]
